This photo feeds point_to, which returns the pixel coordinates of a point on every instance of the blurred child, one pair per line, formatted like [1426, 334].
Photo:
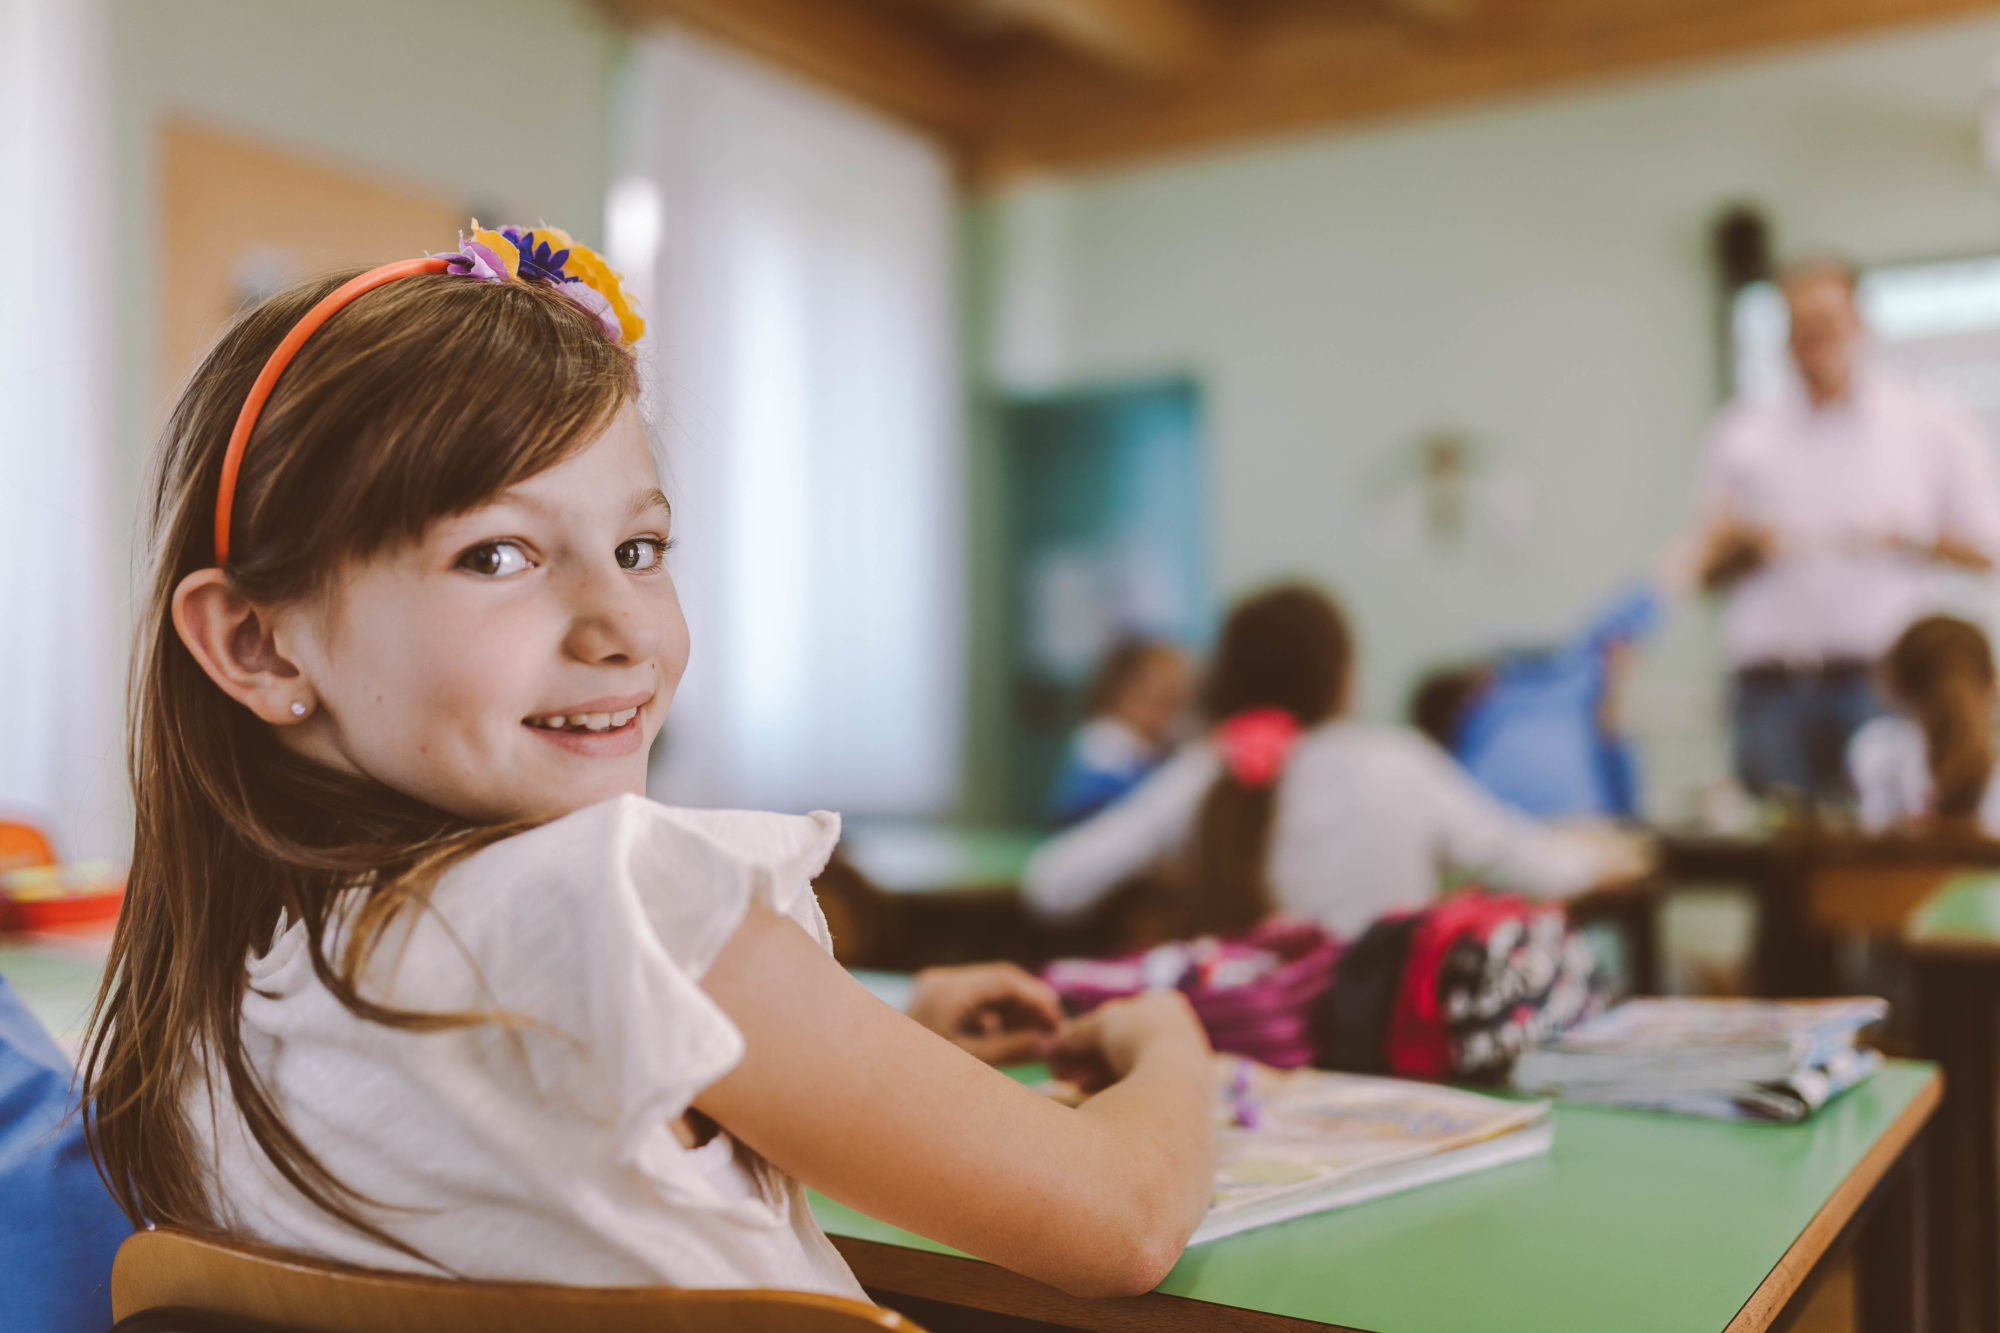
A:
[1135, 706]
[1541, 730]
[1930, 764]
[410, 974]
[1290, 806]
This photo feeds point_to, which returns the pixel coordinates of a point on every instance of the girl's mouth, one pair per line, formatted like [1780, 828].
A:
[587, 723]
[595, 733]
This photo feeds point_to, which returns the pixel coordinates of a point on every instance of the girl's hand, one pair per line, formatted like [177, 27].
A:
[996, 1011]
[1107, 1044]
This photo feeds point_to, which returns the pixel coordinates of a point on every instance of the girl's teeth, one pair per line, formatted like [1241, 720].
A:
[586, 721]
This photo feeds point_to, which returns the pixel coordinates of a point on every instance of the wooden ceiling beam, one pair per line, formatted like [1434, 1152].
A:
[848, 47]
[1314, 69]
[1151, 38]
[1446, 14]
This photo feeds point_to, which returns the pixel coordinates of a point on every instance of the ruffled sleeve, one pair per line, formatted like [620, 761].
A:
[593, 932]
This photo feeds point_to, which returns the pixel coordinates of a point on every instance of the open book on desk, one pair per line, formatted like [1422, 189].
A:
[1302, 1141]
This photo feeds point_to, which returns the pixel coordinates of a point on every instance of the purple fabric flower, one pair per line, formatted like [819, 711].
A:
[477, 261]
[596, 303]
[538, 260]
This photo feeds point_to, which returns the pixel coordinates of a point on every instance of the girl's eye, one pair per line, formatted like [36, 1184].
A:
[495, 559]
[643, 553]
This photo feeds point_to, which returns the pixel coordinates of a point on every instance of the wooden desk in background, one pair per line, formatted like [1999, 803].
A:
[1944, 919]
[1634, 1222]
[1786, 958]
[906, 896]
[1953, 944]
[1800, 879]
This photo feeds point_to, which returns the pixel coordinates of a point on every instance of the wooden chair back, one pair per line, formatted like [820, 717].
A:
[169, 1269]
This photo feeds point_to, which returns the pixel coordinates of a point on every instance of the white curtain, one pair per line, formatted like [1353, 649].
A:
[797, 253]
[62, 623]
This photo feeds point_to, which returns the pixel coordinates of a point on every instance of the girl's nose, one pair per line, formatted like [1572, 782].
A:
[610, 620]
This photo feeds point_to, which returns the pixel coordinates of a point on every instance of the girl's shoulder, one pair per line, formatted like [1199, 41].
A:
[631, 867]
[634, 834]
[1345, 741]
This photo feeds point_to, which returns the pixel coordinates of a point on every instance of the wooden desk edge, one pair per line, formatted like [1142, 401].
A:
[1766, 1303]
[1948, 947]
[976, 1284]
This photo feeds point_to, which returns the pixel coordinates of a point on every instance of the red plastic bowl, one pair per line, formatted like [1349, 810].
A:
[68, 910]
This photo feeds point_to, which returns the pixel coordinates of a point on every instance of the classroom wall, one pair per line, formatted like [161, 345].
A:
[1532, 274]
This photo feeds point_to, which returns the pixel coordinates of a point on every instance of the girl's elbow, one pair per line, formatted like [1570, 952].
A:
[1131, 1273]
[1132, 1257]
[1152, 1256]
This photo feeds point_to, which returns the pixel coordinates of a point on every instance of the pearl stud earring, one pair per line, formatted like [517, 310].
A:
[298, 708]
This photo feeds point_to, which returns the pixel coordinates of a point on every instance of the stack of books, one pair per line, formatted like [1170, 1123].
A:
[1726, 1059]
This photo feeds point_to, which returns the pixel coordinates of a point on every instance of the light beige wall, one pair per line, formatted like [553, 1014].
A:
[1534, 274]
[227, 201]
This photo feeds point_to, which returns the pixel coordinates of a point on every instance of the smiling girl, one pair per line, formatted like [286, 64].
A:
[410, 974]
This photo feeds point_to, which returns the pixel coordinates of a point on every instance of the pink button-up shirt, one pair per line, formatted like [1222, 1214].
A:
[1834, 485]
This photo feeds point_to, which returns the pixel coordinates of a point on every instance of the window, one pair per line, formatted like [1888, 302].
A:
[803, 370]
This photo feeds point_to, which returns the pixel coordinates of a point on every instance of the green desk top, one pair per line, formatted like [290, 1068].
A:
[1965, 913]
[938, 858]
[57, 984]
[1635, 1221]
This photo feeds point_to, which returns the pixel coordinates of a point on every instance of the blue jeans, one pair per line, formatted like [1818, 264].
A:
[1792, 727]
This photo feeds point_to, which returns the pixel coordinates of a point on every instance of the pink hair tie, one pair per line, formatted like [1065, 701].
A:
[1255, 744]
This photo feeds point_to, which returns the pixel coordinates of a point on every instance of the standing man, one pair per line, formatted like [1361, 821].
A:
[1823, 517]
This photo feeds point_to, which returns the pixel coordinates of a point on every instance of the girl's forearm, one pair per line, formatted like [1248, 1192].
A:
[1160, 1118]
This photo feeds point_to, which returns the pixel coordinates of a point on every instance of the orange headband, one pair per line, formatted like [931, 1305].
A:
[267, 379]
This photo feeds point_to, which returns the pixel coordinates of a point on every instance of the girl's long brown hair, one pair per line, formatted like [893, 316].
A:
[1286, 648]
[1941, 669]
[424, 398]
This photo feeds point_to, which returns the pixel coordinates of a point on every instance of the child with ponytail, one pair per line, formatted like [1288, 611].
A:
[410, 974]
[1294, 808]
[1930, 765]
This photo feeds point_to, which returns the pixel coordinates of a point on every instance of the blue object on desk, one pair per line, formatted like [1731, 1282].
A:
[58, 1225]
[1533, 736]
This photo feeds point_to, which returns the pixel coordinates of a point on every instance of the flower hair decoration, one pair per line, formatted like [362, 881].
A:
[512, 254]
[1256, 743]
[551, 255]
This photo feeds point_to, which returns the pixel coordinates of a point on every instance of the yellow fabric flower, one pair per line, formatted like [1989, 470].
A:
[587, 266]
[503, 249]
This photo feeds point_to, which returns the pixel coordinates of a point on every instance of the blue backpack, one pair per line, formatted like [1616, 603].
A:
[58, 1225]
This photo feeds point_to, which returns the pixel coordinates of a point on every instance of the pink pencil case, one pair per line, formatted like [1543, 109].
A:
[1254, 993]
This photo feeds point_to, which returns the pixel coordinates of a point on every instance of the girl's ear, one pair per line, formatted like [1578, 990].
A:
[233, 641]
